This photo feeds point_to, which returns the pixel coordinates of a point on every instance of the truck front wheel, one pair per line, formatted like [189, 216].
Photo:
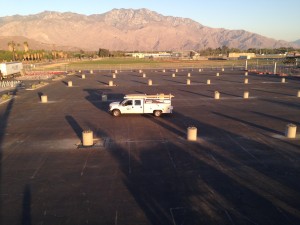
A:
[157, 113]
[116, 112]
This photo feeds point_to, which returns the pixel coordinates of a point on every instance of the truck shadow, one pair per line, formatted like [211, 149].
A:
[102, 98]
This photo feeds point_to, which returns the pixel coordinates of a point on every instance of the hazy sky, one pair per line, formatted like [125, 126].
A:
[279, 19]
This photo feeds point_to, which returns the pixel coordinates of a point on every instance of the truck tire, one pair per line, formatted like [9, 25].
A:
[157, 113]
[116, 112]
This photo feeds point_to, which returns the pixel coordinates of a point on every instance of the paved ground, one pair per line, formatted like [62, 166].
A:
[242, 170]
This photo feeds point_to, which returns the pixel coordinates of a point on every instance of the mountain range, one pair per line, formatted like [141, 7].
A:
[125, 29]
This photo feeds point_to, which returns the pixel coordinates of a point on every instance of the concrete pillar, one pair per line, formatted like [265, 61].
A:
[113, 75]
[110, 83]
[188, 81]
[87, 138]
[282, 80]
[217, 95]
[44, 98]
[83, 76]
[91, 71]
[208, 82]
[246, 65]
[189, 75]
[217, 74]
[291, 130]
[70, 83]
[246, 81]
[246, 94]
[246, 73]
[144, 75]
[173, 75]
[149, 82]
[275, 68]
[298, 94]
[192, 134]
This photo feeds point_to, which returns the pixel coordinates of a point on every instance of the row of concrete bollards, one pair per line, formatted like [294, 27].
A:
[88, 140]
[218, 95]
[290, 132]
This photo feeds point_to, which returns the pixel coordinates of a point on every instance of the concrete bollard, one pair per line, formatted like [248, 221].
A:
[217, 95]
[188, 82]
[223, 69]
[44, 98]
[116, 71]
[189, 75]
[104, 98]
[246, 94]
[87, 138]
[291, 130]
[217, 74]
[91, 71]
[79, 71]
[173, 75]
[164, 70]
[246, 73]
[70, 83]
[83, 76]
[110, 83]
[176, 70]
[192, 134]
[246, 81]
[282, 80]
[200, 70]
[208, 82]
[144, 75]
[298, 94]
[113, 75]
[140, 71]
[149, 82]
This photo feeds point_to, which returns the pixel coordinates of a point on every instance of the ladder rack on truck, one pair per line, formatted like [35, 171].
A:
[142, 103]
[144, 96]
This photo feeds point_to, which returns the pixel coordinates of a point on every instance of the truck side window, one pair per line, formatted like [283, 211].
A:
[137, 102]
[129, 102]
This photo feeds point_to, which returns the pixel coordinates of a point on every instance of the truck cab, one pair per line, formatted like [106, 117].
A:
[139, 104]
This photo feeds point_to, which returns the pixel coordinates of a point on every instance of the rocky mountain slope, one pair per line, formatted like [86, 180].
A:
[128, 29]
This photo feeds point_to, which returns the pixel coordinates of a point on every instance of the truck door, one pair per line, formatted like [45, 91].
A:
[137, 106]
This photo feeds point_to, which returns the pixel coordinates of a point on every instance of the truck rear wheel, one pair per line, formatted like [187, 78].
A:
[157, 113]
[116, 112]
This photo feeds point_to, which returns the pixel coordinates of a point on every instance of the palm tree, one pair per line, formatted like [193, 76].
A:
[11, 47]
[26, 46]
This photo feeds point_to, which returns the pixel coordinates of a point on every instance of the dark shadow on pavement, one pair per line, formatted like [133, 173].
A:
[248, 123]
[3, 125]
[76, 127]
[26, 206]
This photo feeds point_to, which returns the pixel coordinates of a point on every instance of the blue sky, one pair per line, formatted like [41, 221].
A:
[277, 19]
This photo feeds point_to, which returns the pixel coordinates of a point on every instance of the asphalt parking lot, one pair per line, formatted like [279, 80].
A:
[142, 170]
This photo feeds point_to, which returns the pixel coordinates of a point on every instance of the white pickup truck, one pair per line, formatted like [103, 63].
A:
[142, 103]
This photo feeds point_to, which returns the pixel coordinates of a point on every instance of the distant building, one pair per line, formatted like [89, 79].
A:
[142, 55]
[242, 55]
